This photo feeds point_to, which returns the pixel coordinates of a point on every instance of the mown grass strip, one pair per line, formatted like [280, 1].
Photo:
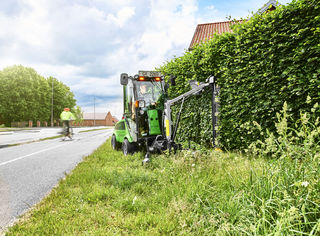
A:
[90, 130]
[186, 194]
[13, 129]
[109, 193]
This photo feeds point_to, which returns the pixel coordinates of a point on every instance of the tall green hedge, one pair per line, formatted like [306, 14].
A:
[267, 60]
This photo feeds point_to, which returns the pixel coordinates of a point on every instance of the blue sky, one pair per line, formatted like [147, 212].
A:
[87, 44]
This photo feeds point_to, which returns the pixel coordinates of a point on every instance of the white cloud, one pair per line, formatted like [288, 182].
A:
[25, 33]
[87, 43]
[33, 25]
[122, 16]
[98, 86]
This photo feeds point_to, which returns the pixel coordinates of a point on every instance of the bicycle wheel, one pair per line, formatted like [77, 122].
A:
[63, 133]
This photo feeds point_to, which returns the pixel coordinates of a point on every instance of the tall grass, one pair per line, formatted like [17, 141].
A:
[191, 193]
[288, 192]
[107, 194]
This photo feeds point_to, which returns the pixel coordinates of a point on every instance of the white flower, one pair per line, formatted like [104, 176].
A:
[134, 200]
[305, 184]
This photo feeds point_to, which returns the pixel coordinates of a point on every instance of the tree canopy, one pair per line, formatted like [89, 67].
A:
[26, 95]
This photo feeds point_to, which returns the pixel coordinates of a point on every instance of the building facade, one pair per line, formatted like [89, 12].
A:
[99, 119]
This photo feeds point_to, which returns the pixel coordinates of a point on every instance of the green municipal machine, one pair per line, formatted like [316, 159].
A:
[146, 123]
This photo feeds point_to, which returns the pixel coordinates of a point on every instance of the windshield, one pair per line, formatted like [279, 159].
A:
[148, 91]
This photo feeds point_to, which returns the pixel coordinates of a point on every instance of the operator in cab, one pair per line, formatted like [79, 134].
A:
[143, 94]
[147, 93]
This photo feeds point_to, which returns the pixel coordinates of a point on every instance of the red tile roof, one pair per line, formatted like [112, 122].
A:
[204, 32]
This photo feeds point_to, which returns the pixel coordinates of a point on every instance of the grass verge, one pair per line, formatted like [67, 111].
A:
[13, 129]
[90, 130]
[186, 194]
[33, 141]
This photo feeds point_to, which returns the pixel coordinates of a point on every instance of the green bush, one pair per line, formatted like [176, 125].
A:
[267, 60]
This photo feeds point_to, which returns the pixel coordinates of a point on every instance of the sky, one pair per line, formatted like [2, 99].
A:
[87, 44]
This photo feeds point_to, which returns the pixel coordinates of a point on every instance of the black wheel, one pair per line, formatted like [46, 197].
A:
[114, 143]
[127, 147]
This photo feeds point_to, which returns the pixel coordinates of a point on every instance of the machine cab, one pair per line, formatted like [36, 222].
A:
[143, 102]
[148, 90]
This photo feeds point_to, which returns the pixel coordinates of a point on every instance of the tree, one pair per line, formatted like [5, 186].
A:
[62, 97]
[26, 95]
[78, 113]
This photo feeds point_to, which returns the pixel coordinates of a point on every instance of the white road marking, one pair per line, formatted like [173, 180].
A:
[19, 158]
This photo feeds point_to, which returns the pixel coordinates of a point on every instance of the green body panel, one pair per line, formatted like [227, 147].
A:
[121, 132]
[154, 124]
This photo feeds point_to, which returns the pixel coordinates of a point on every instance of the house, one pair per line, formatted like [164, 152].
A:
[99, 119]
[204, 32]
[269, 6]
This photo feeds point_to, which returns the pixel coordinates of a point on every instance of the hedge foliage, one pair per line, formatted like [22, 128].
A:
[267, 60]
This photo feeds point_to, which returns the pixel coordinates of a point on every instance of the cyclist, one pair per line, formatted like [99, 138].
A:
[66, 116]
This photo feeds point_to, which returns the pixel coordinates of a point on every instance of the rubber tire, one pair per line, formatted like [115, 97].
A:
[127, 147]
[114, 143]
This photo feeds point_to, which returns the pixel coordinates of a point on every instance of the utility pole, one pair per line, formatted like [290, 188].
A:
[52, 104]
[94, 111]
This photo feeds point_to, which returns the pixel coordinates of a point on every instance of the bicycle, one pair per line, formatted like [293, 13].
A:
[65, 132]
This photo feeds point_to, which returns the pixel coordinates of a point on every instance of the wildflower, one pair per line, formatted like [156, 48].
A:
[305, 184]
[134, 200]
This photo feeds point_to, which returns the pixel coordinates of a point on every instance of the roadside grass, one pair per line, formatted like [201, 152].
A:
[8, 129]
[108, 193]
[49, 138]
[89, 130]
[190, 193]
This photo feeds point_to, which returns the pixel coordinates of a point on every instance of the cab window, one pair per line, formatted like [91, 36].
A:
[120, 126]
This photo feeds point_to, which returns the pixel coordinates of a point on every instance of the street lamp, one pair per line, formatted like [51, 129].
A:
[52, 104]
[94, 111]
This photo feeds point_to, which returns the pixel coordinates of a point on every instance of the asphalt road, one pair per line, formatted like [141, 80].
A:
[28, 172]
[33, 134]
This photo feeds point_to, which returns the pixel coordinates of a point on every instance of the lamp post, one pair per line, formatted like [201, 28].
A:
[52, 104]
[94, 111]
